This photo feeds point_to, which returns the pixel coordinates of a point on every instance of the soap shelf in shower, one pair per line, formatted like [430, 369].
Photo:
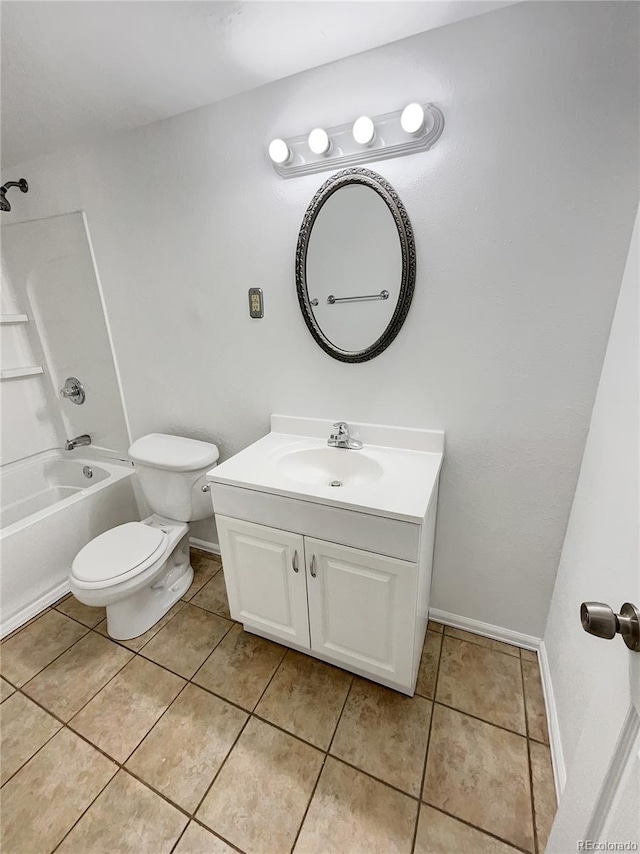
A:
[16, 373]
[13, 318]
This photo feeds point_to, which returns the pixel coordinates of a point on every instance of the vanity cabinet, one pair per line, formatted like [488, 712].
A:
[342, 604]
[265, 576]
[330, 551]
[361, 608]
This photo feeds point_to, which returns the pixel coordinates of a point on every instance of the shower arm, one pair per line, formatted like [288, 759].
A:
[22, 184]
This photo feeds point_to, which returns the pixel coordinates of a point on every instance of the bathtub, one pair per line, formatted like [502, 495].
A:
[52, 504]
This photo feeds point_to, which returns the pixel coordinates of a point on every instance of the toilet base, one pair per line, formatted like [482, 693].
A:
[133, 616]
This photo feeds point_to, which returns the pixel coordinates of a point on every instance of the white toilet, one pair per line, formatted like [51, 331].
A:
[140, 569]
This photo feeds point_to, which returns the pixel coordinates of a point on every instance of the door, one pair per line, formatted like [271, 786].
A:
[362, 609]
[601, 561]
[265, 578]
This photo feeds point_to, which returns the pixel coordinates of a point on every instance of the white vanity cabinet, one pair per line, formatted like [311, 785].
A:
[329, 550]
[362, 609]
[265, 576]
[344, 605]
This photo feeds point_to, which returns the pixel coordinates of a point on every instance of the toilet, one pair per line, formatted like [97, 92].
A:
[140, 569]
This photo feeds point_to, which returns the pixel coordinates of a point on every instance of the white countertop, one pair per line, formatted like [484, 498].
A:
[410, 461]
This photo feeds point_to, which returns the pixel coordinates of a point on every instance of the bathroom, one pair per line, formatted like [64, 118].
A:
[152, 208]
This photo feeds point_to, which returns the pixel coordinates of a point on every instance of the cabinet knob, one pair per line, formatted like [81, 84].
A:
[294, 561]
[312, 568]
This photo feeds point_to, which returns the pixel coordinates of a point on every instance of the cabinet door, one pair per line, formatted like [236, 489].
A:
[265, 578]
[362, 609]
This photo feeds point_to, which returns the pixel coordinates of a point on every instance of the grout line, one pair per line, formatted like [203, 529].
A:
[344, 705]
[324, 761]
[138, 651]
[157, 792]
[199, 822]
[537, 741]
[482, 645]
[177, 842]
[31, 678]
[249, 716]
[426, 754]
[206, 610]
[481, 829]
[84, 812]
[371, 776]
[11, 776]
[308, 807]
[222, 764]
[155, 724]
[482, 720]
[536, 844]
[31, 620]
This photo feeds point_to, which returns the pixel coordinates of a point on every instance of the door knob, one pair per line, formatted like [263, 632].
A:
[600, 620]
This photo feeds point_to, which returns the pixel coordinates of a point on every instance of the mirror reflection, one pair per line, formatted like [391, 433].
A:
[354, 251]
[355, 265]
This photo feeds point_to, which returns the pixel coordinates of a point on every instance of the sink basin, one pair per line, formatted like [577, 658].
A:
[329, 467]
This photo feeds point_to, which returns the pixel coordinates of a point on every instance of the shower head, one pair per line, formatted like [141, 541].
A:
[22, 185]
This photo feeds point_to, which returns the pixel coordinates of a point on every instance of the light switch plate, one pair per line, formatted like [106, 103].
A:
[256, 302]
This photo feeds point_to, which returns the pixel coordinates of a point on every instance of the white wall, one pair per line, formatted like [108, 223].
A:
[604, 512]
[522, 215]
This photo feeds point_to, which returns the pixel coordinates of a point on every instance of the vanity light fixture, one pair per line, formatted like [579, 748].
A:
[412, 119]
[279, 152]
[364, 131]
[414, 129]
[319, 141]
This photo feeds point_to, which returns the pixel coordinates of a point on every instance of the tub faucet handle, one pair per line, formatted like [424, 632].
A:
[73, 390]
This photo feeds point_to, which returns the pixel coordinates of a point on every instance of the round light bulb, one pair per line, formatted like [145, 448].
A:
[319, 141]
[412, 119]
[279, 151]
[363, 130]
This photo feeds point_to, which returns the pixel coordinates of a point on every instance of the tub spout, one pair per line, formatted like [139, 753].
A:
[70, 444]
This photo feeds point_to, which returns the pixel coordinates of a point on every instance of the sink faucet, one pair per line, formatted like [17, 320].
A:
[340, 438]
[70, 444]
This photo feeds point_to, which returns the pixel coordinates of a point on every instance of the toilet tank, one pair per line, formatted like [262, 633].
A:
[172, 473]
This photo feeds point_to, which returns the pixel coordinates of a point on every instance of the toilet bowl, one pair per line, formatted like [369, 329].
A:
[139, 570]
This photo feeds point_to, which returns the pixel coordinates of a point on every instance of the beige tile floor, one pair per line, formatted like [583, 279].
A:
[199, 738]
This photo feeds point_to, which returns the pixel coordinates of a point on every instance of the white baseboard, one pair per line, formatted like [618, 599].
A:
[557, 755]
[206, 546]
[34, 608]
[526, 642]
[485, 629]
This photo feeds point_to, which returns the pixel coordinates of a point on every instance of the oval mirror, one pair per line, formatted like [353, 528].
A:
[355, 265]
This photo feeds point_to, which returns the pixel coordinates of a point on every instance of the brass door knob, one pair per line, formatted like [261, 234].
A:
[600, 620]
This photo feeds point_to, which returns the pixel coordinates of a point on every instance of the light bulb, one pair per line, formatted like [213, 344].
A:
[412, 119]
[364, 131]
[319, 141]
[279, 151]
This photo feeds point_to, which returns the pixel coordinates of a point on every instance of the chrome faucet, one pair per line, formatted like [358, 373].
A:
[71, 444]
[340, 438]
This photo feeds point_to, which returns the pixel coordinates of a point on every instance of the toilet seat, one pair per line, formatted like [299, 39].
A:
[118, 554]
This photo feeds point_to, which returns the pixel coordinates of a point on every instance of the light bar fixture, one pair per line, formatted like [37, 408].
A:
[319, 141]
[408, 131]
[279, 152]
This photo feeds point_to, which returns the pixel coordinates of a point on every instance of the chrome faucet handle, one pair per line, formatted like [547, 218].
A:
[341, 427]
[73, 390]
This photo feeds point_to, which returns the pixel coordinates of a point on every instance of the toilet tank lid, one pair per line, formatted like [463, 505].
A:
[173, 453]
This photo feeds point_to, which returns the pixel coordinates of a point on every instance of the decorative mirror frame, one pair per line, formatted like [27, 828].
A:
[407, 247]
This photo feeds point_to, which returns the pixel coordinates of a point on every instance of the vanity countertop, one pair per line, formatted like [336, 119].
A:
[394, 474]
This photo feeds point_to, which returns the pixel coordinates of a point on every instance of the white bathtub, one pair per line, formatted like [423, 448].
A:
[49, 509]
